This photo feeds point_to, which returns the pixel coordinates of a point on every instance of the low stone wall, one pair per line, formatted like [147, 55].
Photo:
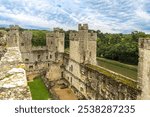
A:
[13, 82]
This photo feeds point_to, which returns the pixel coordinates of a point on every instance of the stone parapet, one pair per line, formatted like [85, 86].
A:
[13, 82]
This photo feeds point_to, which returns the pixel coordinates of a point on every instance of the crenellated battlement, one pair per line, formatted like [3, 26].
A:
[83, 42]
[55, 40]
[13, 36]
[83, 27]
[57, 29]
[83, 32]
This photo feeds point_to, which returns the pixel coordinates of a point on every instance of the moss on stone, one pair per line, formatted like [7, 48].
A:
[67, 50]
[114, 76]
[21, 66]
[8, 75]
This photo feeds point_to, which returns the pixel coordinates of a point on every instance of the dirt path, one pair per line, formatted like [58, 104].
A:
[32, 76]
[65, 94]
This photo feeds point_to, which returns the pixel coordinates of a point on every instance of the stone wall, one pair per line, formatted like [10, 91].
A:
[95, 82]
[2, 51]
[40, 58]
[3, 41]
[83, 45]
[88, 80]
[78, 69]
[144, 67]
[13, 82]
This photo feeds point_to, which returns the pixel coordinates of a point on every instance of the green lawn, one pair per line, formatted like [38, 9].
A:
[38, 89]
[124, 69]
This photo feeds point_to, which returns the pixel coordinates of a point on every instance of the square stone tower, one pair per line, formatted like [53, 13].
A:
[13, 36]
[83, 45]
[144, 67]
[25, 43]
[55, 44]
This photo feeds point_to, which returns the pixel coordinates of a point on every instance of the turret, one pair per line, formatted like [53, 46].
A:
[83, 45]
[55, 43]
[26, 41]
[83, 27]
[13, 36]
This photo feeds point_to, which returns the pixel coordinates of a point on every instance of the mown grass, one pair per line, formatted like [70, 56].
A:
[114, 75]
[39, 90]
[124, 69]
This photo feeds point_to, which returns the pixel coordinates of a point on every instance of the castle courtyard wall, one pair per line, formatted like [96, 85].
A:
[93, 84]
[78, 68]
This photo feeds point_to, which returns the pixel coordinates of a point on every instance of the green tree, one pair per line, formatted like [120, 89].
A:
[39, 38]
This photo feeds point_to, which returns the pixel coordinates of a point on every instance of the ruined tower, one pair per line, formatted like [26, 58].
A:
[83, 45]
[55, 47]
[25, 43]
[55, 44]
[144, 67]
[13, 36]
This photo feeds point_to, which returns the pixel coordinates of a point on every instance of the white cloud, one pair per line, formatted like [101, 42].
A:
[3, 9]
[143, 14]
[77, 1]
[106, 15]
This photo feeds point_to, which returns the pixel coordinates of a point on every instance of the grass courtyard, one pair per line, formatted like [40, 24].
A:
[124, 69]
[40, 92]
[38, 89]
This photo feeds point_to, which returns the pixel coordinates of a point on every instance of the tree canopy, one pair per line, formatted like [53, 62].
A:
[120, 47]
[39, 38]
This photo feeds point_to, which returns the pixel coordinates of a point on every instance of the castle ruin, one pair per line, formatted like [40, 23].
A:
[78, 69]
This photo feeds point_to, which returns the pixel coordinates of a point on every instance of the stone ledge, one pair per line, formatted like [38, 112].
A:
[16, 93]
[115, 76]
[13, 82]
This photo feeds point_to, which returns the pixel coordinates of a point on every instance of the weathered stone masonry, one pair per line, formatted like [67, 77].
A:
[78, 67]
[2, 43]
[88, 80]
[38, 59]
[94, 84]
[144, 68]
[13, 82]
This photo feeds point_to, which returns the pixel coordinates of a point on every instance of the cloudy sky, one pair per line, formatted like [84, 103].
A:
[113, 16]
